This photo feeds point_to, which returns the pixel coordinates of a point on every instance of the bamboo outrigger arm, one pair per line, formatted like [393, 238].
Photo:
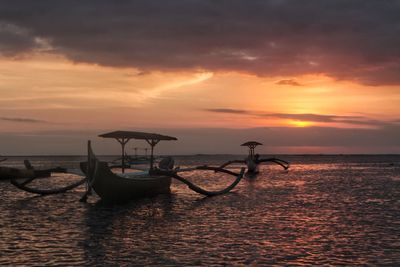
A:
[197, 189]
[231, 162]
[42, 174]
[280, 162]
[23, 186]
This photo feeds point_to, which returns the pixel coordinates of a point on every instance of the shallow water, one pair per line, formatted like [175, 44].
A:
[338, 210]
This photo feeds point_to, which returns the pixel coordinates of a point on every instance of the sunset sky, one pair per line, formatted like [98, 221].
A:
[299, 76]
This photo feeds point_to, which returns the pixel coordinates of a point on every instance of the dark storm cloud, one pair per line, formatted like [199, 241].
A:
[22, 120]
[15, 40]
[347, 39]
[322, 118]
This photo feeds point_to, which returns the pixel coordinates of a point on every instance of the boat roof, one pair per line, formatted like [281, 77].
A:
[251, 143]
[137, 135]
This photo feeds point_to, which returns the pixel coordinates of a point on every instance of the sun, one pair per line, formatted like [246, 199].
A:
[298, 123]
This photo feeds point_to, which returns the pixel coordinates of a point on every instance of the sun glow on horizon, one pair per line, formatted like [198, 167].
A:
[302, 124]
[64, 95]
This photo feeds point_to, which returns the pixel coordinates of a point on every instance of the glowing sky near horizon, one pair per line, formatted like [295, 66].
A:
[60, 94]
[219, 69]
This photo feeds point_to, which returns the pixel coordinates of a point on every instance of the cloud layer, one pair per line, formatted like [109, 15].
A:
[22, 120]
[357, 40]
[318, 118]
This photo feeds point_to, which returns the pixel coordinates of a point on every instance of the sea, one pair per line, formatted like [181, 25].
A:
[337, 210]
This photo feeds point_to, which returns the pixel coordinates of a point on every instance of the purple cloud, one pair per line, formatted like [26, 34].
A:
[322, 118]
[289, 82]
[356, 40]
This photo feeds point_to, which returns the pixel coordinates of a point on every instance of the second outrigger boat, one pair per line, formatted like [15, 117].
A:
[253, 161]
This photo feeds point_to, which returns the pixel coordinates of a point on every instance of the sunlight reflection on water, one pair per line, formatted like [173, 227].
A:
[317, 213]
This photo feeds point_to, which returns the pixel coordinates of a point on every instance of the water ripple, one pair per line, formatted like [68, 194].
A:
[316, 214]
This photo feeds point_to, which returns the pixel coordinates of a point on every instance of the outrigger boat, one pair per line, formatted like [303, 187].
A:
[113, 187]
[122, 187]
[253, 161]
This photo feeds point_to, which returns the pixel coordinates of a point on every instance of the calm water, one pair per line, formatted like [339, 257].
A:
[339, 210]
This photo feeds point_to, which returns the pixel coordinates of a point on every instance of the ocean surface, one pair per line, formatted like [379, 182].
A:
[326, 210]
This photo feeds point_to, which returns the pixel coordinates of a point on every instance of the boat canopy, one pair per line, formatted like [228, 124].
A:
[251, 143]
[123, 137]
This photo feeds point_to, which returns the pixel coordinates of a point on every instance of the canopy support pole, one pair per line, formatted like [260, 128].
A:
[152, 143]
[123, 142]
[251, 150]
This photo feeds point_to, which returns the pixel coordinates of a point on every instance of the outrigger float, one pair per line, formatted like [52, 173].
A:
[253, 161]
[122, 187]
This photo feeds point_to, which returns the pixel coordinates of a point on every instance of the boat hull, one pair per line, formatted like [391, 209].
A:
[252, 167]
[114, 188]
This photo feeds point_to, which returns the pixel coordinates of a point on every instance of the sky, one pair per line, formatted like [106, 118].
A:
[299, 76]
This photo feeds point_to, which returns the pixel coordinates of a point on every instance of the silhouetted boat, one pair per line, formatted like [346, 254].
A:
[113, 187]
[253, 161]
